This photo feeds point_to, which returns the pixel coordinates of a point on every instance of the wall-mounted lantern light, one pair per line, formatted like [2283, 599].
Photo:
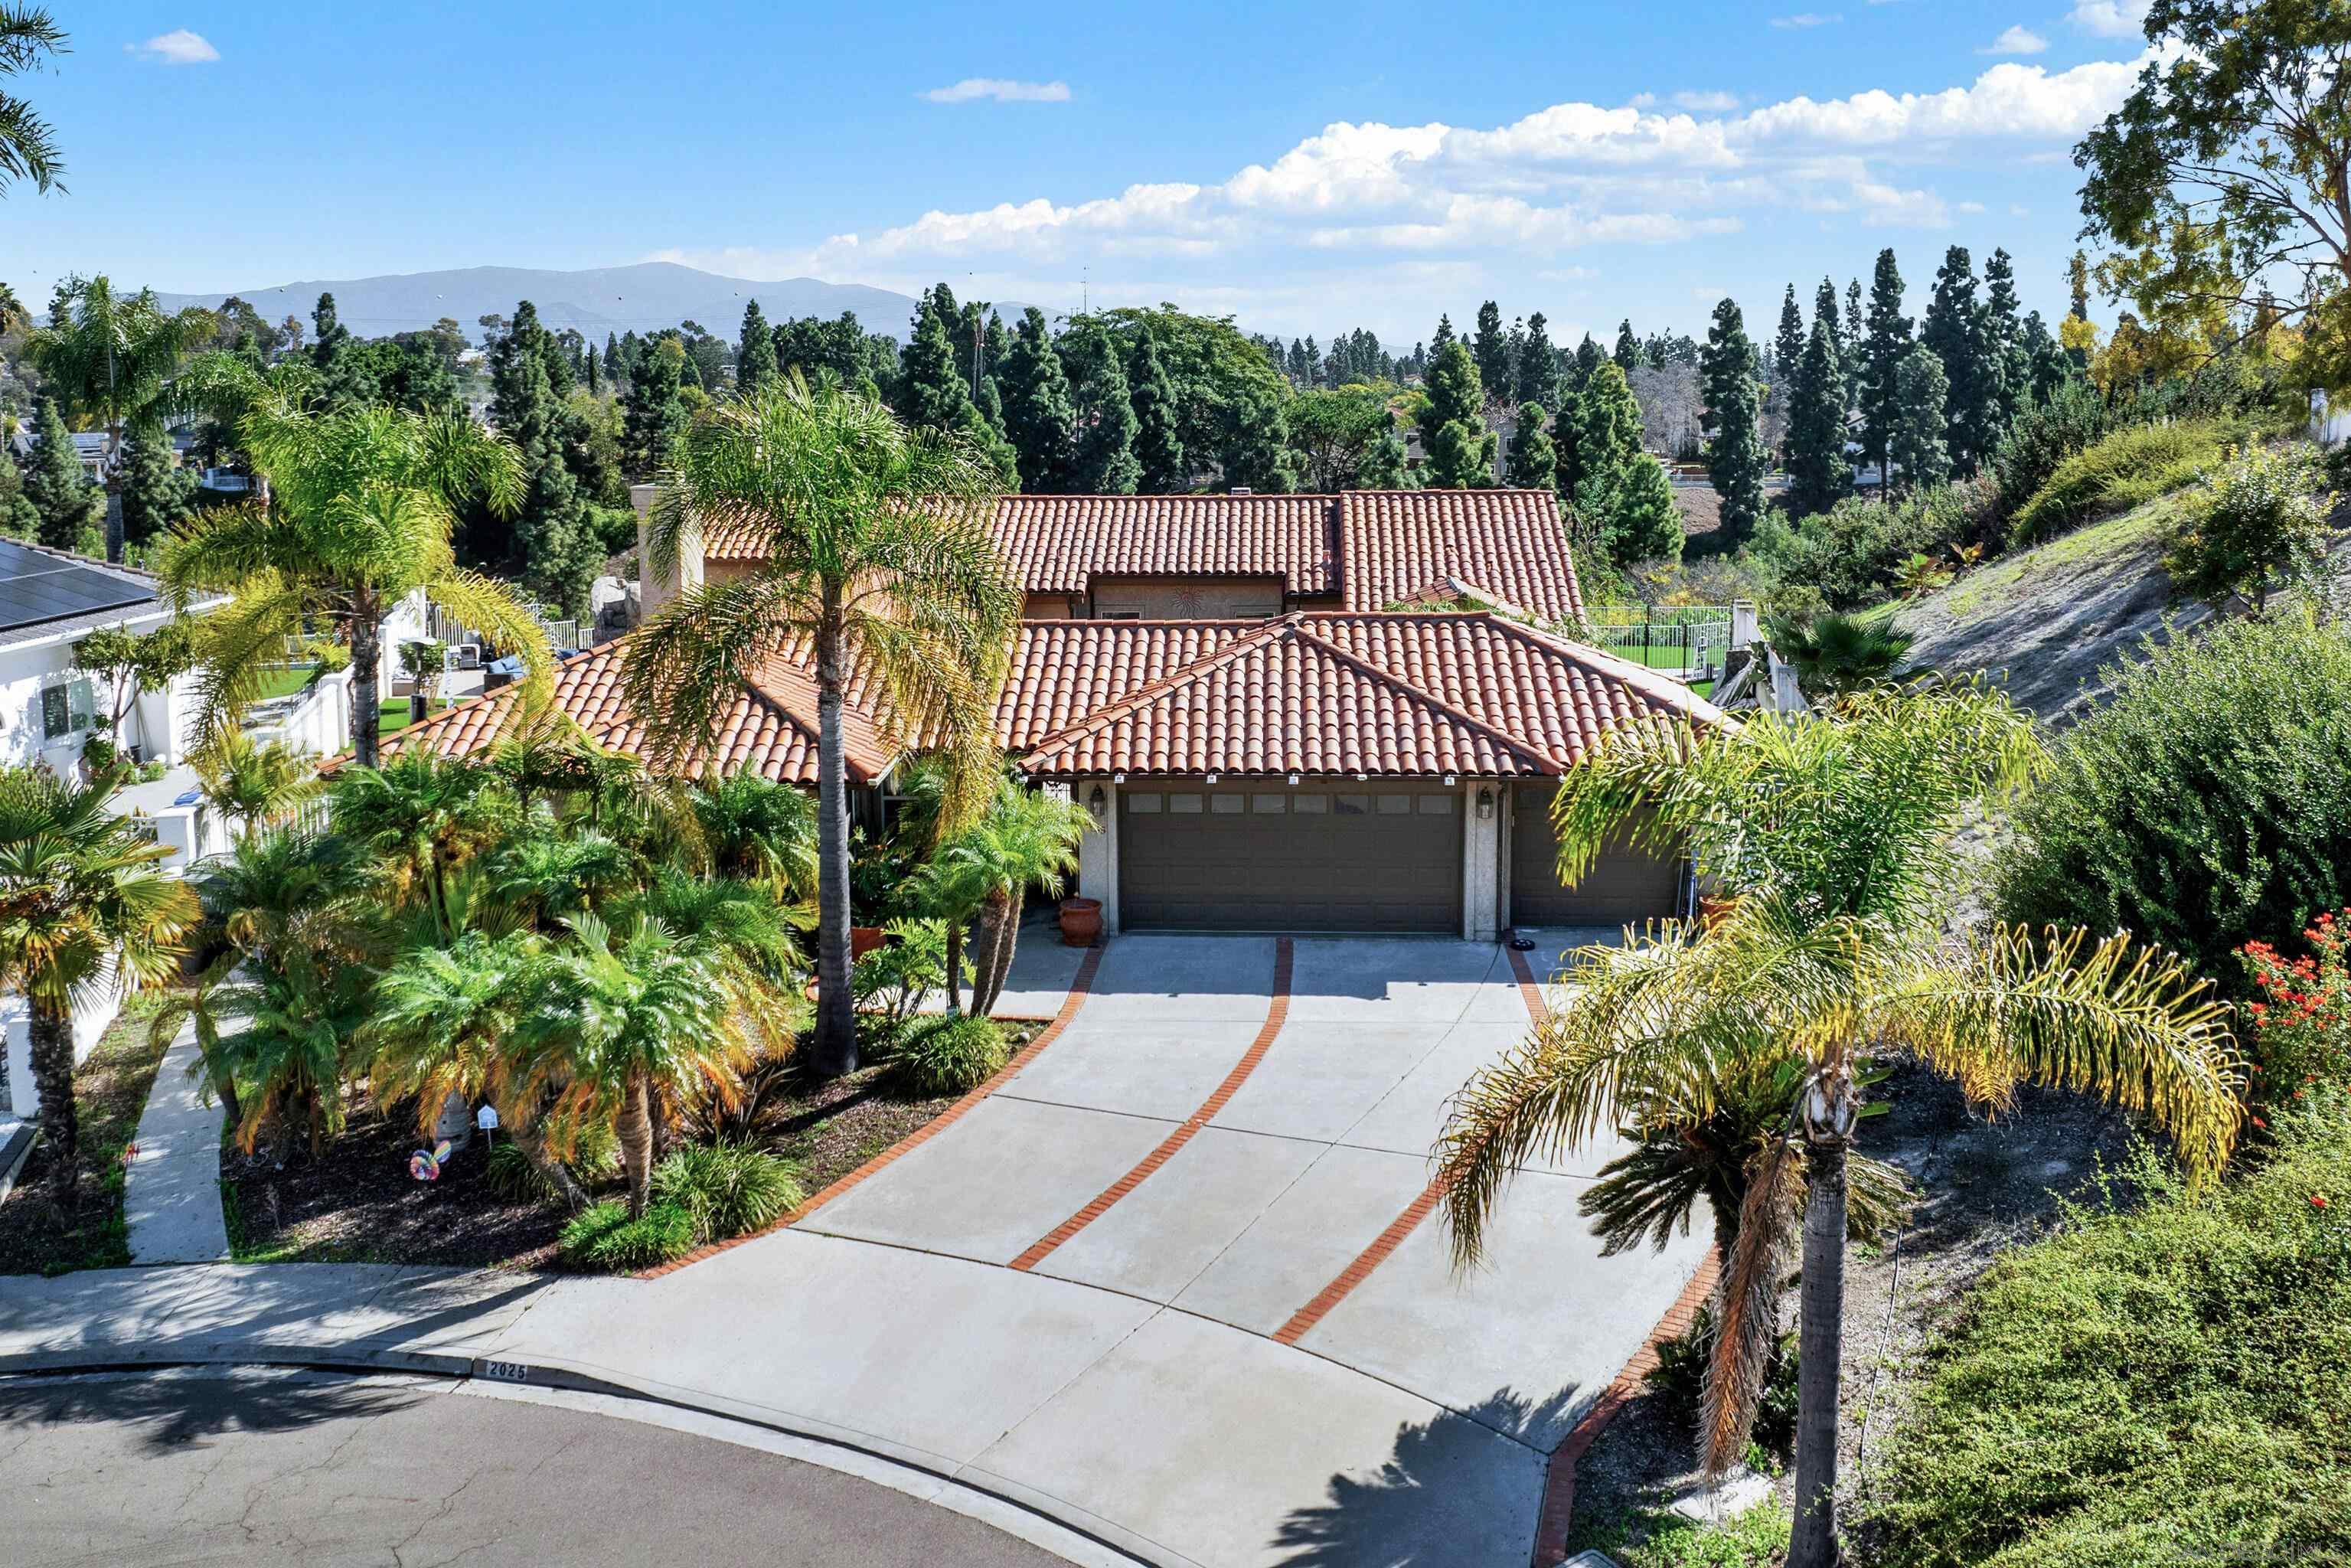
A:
[1098, 806]
[1484, 803]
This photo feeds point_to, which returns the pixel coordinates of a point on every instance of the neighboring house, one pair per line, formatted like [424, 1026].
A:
[1292, 755]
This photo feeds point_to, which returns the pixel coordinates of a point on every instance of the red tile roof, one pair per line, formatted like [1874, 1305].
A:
[1370, 548]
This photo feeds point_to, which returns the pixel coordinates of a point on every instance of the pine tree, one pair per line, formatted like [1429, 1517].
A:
[932, 388]
[1849, 346]
[1788, 346]
[1954, 330]
[1385, 465]
[1735, 458]
[554, 549]
[2077, 281]
[1817, 469]
[1631, 510]
[754, 352]
[2008, 361]
[1824, 310]
[1628, 348]
[1607, 427]
[1491, 349]
[1882, 351]
[1443, 336]
[595, 381]
[1038, 415]
[1105, 461]
[1158, 440]
[156, 497]
[1539, 365]
[1588, 355]
[67, 505]
[653, 412]
[327, 334]
[1916, 445]
[1532, 463]
[346, 379]
[1453, 433]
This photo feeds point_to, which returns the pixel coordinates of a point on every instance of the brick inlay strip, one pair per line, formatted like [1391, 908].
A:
[1277, 1011]
[1403, 1224]
[1080, 988]
[1558, 1480]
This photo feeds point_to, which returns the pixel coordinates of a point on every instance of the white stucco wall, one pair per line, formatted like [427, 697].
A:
[1482, 860]
[1098, 851]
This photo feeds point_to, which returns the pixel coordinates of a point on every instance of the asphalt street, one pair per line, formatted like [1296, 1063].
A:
[264, 1470]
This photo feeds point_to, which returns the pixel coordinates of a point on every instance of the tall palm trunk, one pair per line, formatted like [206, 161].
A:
[835, 1051]
[986, 939]
[634, 1130]
[364, 633]
[1814, 1543]
[53, 1065]
[1007, 937]
[955, 968]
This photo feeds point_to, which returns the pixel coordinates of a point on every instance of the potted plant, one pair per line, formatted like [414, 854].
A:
[1081, 921]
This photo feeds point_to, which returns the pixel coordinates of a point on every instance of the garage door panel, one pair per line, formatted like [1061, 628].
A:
[1626, 884]
[1267, 857]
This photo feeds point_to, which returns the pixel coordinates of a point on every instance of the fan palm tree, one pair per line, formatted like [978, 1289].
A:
[981, 876]
[82, 906]
[606, 1026]
[28, 35]
[112, 358]
[878, 554]
[1833, 836]
[1835, 654]
[362, 512]
[251, 782]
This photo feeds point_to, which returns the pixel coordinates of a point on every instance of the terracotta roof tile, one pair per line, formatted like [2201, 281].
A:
[1396, 546]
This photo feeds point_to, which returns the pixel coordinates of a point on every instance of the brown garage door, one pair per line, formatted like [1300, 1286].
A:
[1625, 885]
[1265, 857]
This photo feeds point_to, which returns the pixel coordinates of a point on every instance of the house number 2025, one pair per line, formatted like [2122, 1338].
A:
[504, 1371]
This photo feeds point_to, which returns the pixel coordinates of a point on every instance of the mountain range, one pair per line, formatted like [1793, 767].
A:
[644, 298]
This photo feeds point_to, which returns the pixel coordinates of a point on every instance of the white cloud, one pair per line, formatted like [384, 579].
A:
[178, 48]
[1808, 19]
[2008, 101]
[2016, 41]
[1706, 102]
[2111, 18]
[1000, 90]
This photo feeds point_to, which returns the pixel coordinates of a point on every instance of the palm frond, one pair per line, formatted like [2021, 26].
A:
[1747, 1303]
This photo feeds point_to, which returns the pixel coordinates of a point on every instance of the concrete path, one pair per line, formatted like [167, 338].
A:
[171, 1198]
[1175, 1284]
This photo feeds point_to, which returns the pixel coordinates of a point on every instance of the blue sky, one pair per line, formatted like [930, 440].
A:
[1307, 167]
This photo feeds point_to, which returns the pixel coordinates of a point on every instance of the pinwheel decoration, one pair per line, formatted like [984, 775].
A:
[426, 1166]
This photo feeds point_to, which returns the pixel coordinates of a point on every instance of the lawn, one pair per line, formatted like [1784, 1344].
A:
[36, 1234]
[393, 715]
[285, 680]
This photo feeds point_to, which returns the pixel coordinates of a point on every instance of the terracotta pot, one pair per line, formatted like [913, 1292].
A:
[865, 939]
[1081, 922]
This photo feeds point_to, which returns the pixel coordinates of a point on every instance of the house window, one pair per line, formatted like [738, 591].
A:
[1143, 803]
[1226, 805]
[1269, 805]
[1437, 805]
[1184, 804]
[1395, 805]
[1355, 805]
[1310, 805]
[65, 710]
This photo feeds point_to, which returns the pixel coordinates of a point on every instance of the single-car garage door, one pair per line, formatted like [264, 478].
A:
[1267, 857]
[1623, 886]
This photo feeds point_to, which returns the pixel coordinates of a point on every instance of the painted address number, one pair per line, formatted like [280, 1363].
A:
[504, 1371]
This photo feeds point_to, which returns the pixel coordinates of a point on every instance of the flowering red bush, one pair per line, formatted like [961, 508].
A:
[2300, 1019]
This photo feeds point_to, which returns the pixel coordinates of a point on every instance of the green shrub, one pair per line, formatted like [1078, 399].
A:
[2045, 436]
[594, 1158]
[2120, 471]
[2257, 526]
[2207, 804]
[1852, 552]
[605, 1238]
[728, 1190]
[949, 1055]
[2164, 1383]
[1653, 1538]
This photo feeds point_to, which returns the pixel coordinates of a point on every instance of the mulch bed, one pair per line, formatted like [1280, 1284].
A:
[358, 1204]
[37, 1234]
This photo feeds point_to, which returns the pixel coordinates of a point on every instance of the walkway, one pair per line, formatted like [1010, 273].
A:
[171, 1197]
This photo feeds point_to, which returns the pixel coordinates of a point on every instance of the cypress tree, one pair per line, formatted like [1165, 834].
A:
[595, 383]
[932, 391]
[2008, 363]
[1735, 459]
[1954, 330]
[156, 497]
[754, 352]
[1491, 349]
[1460, 450]
[1104, 440]
[1884, 347]
[1628, 348]
[1038, 415]
[1443, 336]
[1532, 463]
[65, 505]
[1787, 349]
[1916, 444]
[1538, 364]
[1816, 462]
[653, 412]
[1158, 440]
[553, 548]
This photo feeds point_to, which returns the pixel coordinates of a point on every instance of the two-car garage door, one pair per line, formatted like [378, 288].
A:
[1265, 857]
[1624, 886]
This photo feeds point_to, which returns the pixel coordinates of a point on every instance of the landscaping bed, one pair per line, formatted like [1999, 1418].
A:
[37, 1234]
[358, 1204]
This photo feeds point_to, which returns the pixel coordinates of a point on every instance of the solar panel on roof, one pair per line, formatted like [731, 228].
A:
[37, 587]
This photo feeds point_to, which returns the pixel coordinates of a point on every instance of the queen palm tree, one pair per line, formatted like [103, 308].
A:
[112, 358]
[878, 555]
[605, 1026]
[252, 782]
[1833, 835]
[28, 35]
[82, 906]
[362, 511]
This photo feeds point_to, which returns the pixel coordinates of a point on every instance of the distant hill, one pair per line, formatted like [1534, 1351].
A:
[644, 298]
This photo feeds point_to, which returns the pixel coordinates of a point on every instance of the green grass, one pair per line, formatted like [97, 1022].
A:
[285, 680]
[1991, 587]
[393, 715]
[1658, 1538]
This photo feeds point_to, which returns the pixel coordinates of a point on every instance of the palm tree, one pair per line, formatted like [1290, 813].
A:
[604, 1027]
[361, 517]
[420, 818]
[253, 783]
[27, 151]
[549, 872]
[297, 1028]
[1834, 654]
[113, 359]
[982, 874]
[1833, 836]
[82, 906]
[758, 829]
[879, 555]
